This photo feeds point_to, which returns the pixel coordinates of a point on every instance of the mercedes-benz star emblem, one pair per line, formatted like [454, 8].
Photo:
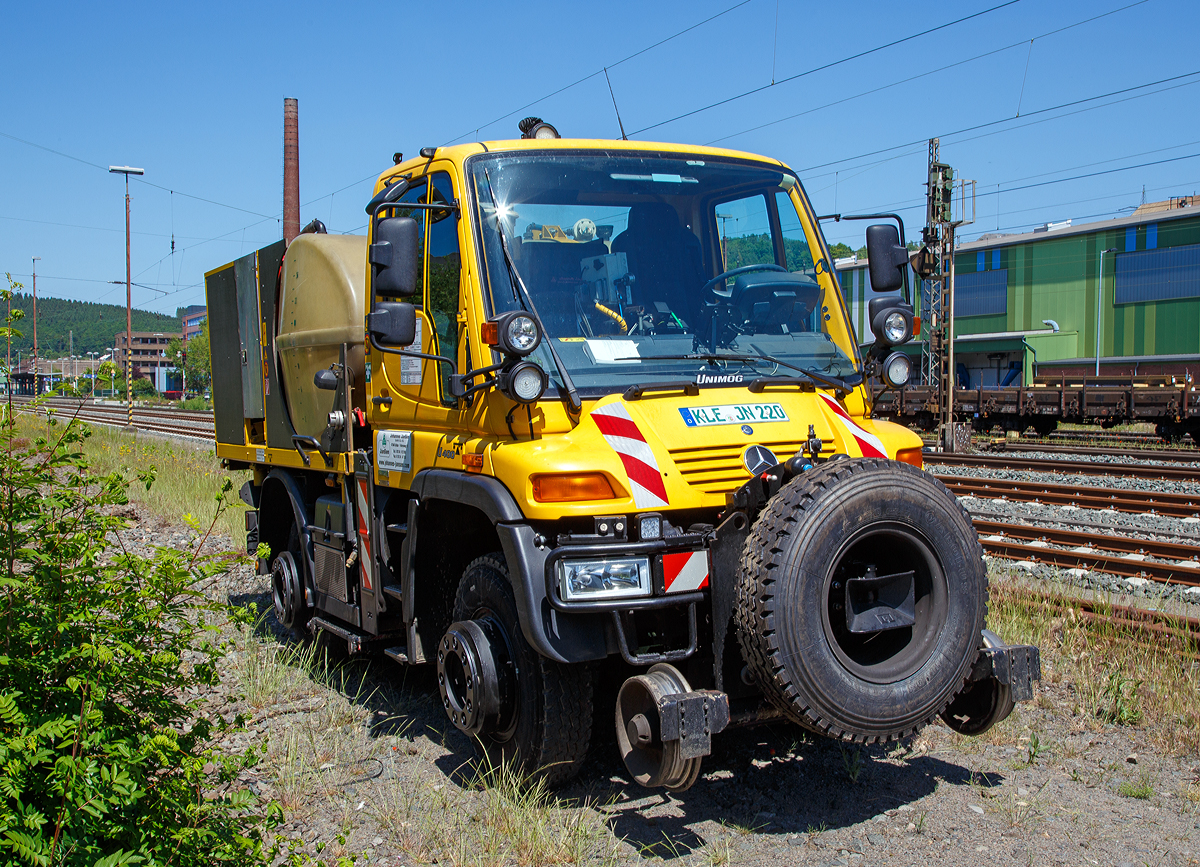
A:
[747, 430]
[758, 458]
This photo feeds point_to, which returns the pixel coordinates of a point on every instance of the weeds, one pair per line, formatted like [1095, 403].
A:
[1143, 789]
[1120, 700]
[1113, 673]
[852, 762]
[1035, 748]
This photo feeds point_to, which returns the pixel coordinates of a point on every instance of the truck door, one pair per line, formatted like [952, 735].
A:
[419, 389]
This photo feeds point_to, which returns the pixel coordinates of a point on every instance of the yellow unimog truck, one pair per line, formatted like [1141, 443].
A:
[575, 405]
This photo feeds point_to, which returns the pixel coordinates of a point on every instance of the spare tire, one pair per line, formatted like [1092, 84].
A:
[808, 558]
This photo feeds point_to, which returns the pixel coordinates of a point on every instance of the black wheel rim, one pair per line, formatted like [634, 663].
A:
[505, 725]
[895, 654]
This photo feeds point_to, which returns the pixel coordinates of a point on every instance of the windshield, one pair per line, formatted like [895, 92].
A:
[616, 252]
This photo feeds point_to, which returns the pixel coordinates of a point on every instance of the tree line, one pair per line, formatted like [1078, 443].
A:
[90, 325]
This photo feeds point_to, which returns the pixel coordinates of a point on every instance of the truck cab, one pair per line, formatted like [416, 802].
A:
[576, 403]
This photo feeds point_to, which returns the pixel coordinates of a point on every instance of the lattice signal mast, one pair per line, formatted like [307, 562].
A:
[935, 265]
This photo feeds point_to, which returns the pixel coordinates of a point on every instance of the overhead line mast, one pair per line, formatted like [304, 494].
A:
[935, 265]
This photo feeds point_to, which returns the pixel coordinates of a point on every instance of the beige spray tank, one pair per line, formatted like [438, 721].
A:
[320, 308]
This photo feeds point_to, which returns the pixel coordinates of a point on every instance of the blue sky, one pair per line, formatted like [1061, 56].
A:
[194, 94]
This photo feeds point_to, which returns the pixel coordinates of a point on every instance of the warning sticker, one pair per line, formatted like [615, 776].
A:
[410, 368]
[393, 450]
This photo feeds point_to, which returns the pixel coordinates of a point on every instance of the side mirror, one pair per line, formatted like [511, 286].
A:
[886, 258]
[393, 323]
[395, 257]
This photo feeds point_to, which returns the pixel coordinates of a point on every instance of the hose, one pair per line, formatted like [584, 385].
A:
[614, 316]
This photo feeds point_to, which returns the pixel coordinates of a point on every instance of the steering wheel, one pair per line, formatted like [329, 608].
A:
[745, 269]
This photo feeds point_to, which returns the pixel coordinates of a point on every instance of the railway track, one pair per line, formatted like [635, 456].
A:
[1115, 555]
[1168, 455]
[183, 423]
[1046, 465]
[1084, 497]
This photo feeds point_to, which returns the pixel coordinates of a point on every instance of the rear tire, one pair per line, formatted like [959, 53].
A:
[825, 527]
[545, 719]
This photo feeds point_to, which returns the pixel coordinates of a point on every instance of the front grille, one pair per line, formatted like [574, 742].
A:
[719, 469]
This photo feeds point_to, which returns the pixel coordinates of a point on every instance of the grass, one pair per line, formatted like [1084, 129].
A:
[497, 818]
[1142, 789]
[1113, 673]
[186, 477]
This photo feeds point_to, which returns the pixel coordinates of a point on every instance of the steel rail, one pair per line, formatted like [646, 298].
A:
[1182, 454]
[1050, 465]
[1084, 497]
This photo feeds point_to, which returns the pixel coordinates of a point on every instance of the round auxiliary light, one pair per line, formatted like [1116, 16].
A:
[895, 328]
[897, 368]
[521, 334]
[535, 127]
[526, 382]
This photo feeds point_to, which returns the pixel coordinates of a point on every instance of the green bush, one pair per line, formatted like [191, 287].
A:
[103, 750]
[195, 403]
[143, 387]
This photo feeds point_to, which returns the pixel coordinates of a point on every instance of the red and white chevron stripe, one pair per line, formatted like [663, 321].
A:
[685, 570]
[622, 433]
[870, 445]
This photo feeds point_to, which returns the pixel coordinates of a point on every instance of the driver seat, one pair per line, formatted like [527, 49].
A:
[664, 257]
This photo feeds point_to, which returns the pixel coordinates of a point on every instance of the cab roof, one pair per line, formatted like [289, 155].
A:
[459, 153]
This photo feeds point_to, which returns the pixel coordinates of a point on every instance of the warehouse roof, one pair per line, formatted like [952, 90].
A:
[992, 240]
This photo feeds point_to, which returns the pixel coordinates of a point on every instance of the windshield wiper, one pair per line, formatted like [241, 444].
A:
[842, 383]
[515, 277]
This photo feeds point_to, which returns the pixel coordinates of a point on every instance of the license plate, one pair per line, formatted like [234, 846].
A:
[733, 413]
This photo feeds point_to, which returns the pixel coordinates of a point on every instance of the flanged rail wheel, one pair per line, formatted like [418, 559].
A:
[520, 707]
[860, 599]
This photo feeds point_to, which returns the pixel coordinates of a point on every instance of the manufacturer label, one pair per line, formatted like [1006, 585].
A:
[260, 455]
[734, 413]
[410, 368]
[393, 450]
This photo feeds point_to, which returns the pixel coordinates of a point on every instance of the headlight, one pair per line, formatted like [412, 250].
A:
[522, 334]
[895, 328]
[897, 368]
[513, 333]
[589, 580]
[892, 325]
[524, 382]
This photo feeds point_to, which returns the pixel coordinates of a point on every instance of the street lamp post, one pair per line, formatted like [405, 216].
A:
[1099, 295]
[36, 259]
[127, 171]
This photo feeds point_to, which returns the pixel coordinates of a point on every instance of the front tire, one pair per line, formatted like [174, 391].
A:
[829, 526]
[542, 721]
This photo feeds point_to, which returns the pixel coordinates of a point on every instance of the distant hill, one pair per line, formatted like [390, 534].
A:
[94, 325]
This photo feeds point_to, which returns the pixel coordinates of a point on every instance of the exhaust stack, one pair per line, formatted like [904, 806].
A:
[291, 170]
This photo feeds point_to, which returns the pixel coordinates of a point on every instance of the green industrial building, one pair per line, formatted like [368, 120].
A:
[1026, 304]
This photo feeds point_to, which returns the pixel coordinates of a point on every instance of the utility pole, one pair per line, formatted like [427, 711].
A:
[127, 171]
[36, 259]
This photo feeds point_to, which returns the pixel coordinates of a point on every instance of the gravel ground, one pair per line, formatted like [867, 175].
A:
[361, 752]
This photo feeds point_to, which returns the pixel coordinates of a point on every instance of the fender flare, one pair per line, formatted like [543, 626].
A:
[564, 638]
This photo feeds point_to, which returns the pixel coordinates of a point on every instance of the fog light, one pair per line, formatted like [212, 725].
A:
[587, 580]
[649, 526]
[525, 382]
[897, 368]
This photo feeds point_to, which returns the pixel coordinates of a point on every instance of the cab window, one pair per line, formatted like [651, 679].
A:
[444, 271]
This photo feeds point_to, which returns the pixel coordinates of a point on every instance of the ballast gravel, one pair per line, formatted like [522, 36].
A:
[1042, 788]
